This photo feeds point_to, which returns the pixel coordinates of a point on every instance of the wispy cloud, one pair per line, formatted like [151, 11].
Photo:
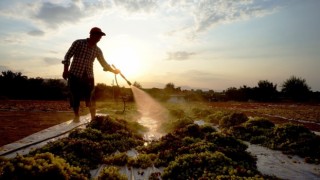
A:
[53, 15]
[36, 33]
[179, 55]
[137, 6]
[210, 13]
[52, 61]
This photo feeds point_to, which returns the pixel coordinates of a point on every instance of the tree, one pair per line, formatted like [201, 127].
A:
[169, 88]
[266, 91]
[138, 85]
[296, 89]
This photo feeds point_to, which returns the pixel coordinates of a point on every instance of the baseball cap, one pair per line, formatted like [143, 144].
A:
[96, 30]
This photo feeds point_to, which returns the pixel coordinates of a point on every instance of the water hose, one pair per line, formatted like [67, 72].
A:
[129, 83]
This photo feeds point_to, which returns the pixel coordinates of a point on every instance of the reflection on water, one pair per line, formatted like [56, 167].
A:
[152, 113]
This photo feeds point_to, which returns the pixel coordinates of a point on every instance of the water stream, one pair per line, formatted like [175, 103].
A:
[152, 113]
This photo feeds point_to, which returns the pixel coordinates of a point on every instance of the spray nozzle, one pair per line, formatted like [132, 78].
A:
[129, 83]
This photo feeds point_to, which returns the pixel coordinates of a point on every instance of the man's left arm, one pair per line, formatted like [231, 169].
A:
[104, 64]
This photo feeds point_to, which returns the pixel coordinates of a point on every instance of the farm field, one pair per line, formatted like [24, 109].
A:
[19, 118]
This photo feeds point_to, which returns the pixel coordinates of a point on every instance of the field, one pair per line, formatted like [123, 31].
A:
[22, 118]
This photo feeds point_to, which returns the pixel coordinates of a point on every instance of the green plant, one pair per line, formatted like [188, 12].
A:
[111, 173]
[216, 117]
[142, 161]
[38, 167]
[117, 159]
[233, 120]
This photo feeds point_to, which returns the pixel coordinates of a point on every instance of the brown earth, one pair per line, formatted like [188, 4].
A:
[305, 114]
[19, 119]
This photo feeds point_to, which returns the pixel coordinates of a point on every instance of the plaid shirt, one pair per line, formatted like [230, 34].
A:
[83, 57]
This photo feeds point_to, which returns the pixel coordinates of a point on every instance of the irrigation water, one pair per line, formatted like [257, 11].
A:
[153, 113]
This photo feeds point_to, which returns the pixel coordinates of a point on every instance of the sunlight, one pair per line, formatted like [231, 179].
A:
[126, 58]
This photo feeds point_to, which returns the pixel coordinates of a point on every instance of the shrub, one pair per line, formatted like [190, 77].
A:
[111, 173]
[296, 139]
[216, 117]
[259, 122]
[142, 161]
[233, 120]
[117, 159]
[200, 113]
[204, 166]
[38, 167]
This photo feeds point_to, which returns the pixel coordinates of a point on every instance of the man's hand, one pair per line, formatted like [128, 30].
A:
[65, 74]
[116, 71]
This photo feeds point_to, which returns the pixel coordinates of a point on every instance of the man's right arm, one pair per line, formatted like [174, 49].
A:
[67, 57]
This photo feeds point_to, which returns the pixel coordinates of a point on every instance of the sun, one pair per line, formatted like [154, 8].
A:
[127, 60]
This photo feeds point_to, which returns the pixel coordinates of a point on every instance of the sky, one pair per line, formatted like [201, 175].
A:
[194, 44]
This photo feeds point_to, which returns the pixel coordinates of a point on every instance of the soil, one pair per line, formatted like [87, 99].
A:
[279, 113]
[19, 119]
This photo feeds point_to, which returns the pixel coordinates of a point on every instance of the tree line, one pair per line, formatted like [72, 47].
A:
[14, 85]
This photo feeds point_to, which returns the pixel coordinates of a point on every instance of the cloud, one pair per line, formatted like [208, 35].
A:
[179, 55]
[53, 15]
[52, 61]
[210, 13]
[36, 33]
[137, 6]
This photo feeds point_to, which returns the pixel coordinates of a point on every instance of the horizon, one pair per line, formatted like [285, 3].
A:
[210, 45]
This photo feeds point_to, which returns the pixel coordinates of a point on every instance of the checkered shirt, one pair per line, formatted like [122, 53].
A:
[83, 58]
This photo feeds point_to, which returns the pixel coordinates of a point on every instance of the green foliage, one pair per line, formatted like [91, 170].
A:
[296, 139]
[233, 120]
[39, 167]
[200, 112]
[216, 117]
[204, 165]
[174, 124]
[195, 151]
[108, 125]
[117, 159]
[177, 113]
[111, 173]
[289, 138]
[142, 161]
[88, 147]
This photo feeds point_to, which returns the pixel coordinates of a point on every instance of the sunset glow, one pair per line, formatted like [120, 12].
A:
[193, 44]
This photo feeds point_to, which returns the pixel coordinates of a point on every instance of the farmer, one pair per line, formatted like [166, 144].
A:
[80, 75]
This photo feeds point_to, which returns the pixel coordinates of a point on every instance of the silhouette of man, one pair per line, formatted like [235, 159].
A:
[80, 74]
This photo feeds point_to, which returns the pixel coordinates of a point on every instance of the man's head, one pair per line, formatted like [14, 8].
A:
[96, 34]
[97, 31]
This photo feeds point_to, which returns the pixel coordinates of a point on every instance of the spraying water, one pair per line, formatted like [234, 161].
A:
[152, 113]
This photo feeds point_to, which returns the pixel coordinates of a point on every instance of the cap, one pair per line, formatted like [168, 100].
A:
[96, 30]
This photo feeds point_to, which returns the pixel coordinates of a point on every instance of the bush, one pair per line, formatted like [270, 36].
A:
[204, 165]
[38, 167]
[233, 120]
[216, 117]
[111, 173]
[118, 159]
[259, 122]
[296, 139]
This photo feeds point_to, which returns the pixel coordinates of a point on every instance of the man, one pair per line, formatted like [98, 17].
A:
[80, 75]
